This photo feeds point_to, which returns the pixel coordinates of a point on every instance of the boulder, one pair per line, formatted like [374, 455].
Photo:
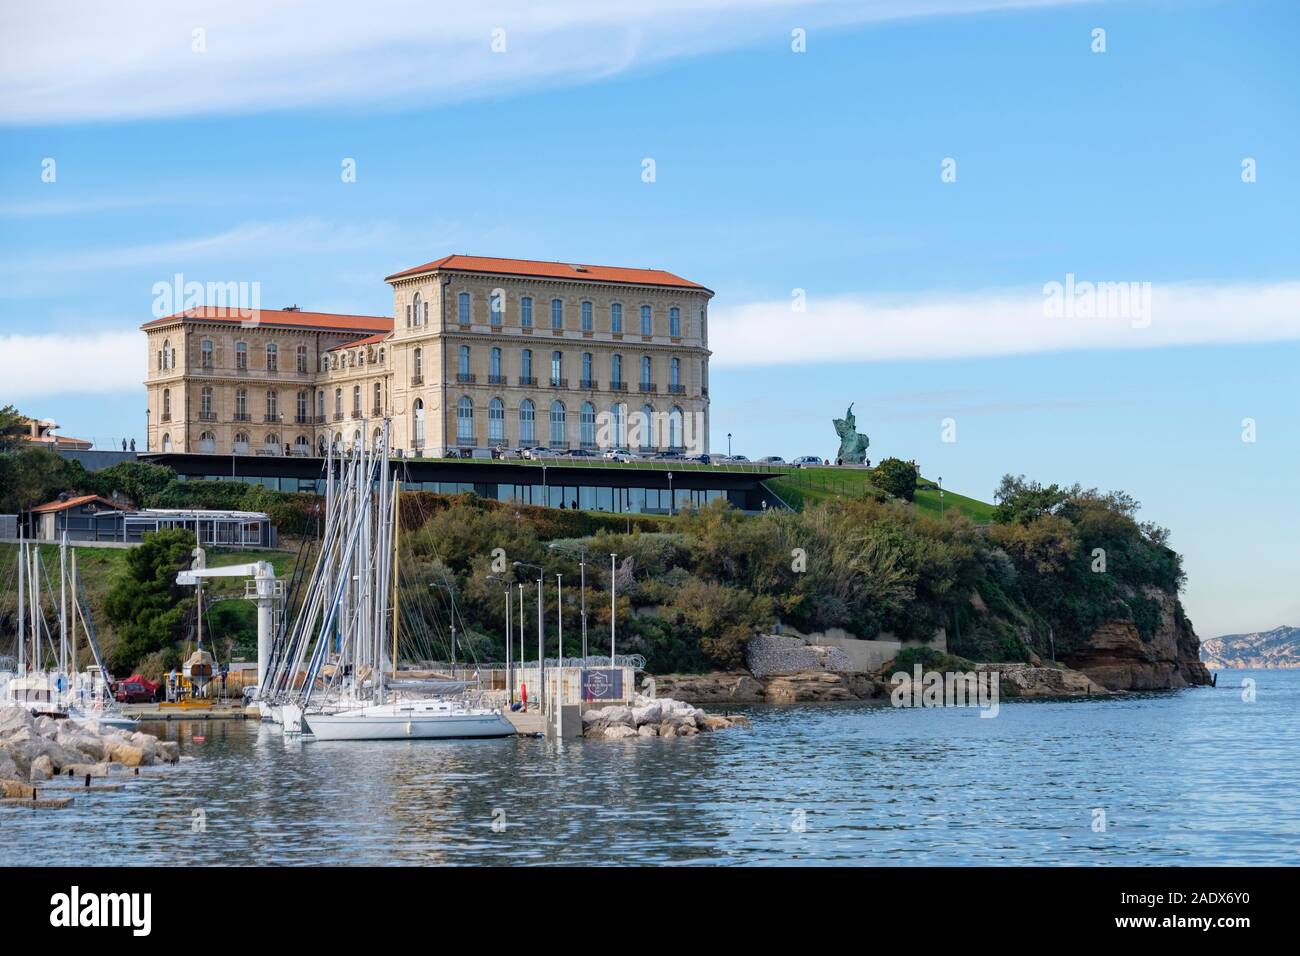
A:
[84, 743]
[651, 713]
[618, 732]
[15, 789]
[667, 730]
[126, 754]
[647, 730]
[42, 769]
[8, 769]
[169, 751]
[13, 719]
[710, 722]
[47, 727]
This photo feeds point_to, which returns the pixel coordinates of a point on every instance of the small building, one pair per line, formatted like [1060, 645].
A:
[40, 432]
[93, 518]
[81, 517]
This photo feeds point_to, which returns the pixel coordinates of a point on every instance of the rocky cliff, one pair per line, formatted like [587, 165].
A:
[1259, 650]
[1117, 658]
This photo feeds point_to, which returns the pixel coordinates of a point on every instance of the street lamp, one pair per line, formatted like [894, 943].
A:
[452, 595]
[670, 493]
[510, 687]
[582, 571]
[728, 444]
[541, 650]
[941, 497]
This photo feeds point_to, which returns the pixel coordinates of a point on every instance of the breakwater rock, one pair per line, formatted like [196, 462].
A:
[648, 717]
[33, 749]
[1116, 656]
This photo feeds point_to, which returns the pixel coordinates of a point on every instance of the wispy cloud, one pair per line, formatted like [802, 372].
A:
[74, 363]
[864, 328]
[73, 207]
[79, 60]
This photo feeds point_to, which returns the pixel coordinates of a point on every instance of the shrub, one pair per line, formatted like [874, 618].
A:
[897, 477]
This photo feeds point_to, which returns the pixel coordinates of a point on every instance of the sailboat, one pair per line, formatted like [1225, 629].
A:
[330, 679]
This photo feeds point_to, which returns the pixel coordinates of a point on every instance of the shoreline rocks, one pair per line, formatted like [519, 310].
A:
[36, 749]
[654, 717]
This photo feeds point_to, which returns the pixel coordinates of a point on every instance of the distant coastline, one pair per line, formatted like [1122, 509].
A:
[1278, 649]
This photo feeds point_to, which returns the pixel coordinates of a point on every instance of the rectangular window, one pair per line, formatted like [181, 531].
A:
[557, 313]
[675, 322]
[616, 317]
[587, 323]
[462, 308]
[526, 312]
[647, 325]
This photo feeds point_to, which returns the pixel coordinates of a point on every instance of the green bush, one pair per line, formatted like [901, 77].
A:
[897, 477]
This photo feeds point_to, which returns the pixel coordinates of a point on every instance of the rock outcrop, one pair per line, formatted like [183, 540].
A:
[33, 749]
[742, 687]
[1116, 657]
[651, 717]
[1258, 650]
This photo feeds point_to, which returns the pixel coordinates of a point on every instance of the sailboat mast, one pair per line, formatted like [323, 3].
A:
[63, 604]
[22, 604]
[397, 533]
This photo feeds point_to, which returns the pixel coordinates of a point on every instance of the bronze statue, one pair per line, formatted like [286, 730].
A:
[853, 444]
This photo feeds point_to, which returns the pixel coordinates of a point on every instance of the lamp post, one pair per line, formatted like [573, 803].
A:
[728, 444]
[452, 595]
[670, 493]
[541, 649]
[941, 496]
[510, 687]
[582, 573]
[613, 585]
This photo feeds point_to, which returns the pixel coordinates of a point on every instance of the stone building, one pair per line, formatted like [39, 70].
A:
[484, 353]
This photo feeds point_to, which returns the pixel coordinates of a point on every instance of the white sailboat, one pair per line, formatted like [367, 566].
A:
[329, 679]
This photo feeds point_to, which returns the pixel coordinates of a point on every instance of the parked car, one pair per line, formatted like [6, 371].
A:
[129, 692]
[540, 451]
[700, 459]
[737, 458]
[669, 456]
[803, 461]
[581, 453]
[772, 460]
[621, 454]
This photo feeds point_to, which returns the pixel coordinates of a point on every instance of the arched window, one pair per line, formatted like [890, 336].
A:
[647, 324]
[527, 415]
[208, 443]
[496, 422]
[301, 353]
[588, 425]
[167, 443]
[301, 446]
[241, 404]
[496, 306]
[463, 368]
[557, 368]
[462, 308]
[376, 437]
[465, 420]
[272, 357]
[241, 355]
[557, 313]
[557, 424]
[494, 366]
[587, 324]
[240, 447]
[205, 402]
[616, 370]
[526, 367]
[645, 370]
[413, 317]
[618, 424]
[616, 317]
[675, 372]
[675, 428]
[272, 444]
[675, 322]
[418, 437]
[165, 356]
[356, 401]
[205, 353]
[167, 404]
[418, 368]
[526, 312]
[643, 427]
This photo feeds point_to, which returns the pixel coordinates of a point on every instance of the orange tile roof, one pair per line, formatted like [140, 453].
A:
[74, 502]
[368, 340]
[551, 270]
[323, 321]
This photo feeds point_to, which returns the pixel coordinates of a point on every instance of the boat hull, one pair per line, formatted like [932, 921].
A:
[410, 727]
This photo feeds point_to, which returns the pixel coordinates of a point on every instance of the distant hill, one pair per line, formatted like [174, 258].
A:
[1279, 647]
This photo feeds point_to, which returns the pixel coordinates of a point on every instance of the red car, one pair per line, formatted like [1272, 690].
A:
[131, 692]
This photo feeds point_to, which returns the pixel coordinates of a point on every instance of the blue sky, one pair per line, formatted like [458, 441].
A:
[775, 171]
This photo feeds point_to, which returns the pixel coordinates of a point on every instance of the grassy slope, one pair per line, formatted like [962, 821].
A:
[810, 485]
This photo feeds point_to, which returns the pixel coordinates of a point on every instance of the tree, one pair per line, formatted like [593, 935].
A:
[13, 426]
[144, 604]
[139, 481]
[897, 477]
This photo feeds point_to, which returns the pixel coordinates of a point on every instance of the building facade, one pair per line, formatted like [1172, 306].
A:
[484, 353]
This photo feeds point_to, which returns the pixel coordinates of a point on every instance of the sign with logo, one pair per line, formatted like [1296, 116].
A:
[604, 683]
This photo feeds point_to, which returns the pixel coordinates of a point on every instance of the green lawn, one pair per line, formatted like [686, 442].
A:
[801, 487]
